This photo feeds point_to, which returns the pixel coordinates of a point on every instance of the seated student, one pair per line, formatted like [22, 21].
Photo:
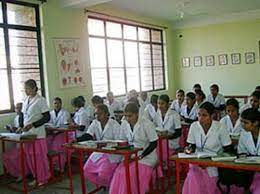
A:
[131, 94]
[100, 167]
[18, 120]
[200, 97]
[231, 120]
[143, 100]
[97, 100]
[196, 87]
[168, 120]
[151, 109]
[80, 120]
[254, 102]
[141, 132]
[179, 102]
[88, 108]
[216, 98]
[209, 136]
[112, 104]
[189, 110]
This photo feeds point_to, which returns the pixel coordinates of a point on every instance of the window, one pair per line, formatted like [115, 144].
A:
[20, 51]
[125, 56]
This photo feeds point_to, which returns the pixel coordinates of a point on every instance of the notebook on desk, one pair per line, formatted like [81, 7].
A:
[197, 155]
[249, 160]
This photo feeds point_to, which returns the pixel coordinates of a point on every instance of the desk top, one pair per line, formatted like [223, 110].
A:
[60, 129]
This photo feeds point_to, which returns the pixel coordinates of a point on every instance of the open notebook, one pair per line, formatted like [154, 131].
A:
[197, 155]
[13, 136]
[249, 160]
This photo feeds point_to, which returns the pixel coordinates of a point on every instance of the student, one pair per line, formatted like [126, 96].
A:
[131, 94]
[179, 102]
[196, 87]
[216, 98]
[200, 97]
[231, 120]
[168, 120]
[96, 100]
[112, 104]
[209, 136]
[100, 167]
[18, 120]
[36, 114]
[151, 109]
[88, 108]
[189, 110]
[254, 102]
[141, 132]
[80, 121]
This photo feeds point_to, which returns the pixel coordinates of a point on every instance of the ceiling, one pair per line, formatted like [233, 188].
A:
[183, 13]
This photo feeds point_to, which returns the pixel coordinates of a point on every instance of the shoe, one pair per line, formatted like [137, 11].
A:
[33, 183]
[19, 179]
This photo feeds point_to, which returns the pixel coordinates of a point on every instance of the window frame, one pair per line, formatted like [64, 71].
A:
[150, 42]
[37, 29]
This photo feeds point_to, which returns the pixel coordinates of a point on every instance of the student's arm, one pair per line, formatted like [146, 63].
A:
[176, 134]
[221, 107]
[45, 119]
[85, 137]
[20, 121]
[188, 120]
[229, 149]
[190, 148]
[149, 149]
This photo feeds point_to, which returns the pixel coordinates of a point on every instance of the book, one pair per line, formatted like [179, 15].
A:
[224, 158]
[249, 160]
[197, 155]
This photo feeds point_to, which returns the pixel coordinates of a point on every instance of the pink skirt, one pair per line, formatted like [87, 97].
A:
[101, 171]
[118, 183]
[165, 155]
[11, 160]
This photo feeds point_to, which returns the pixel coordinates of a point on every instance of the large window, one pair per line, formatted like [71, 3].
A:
[20, 51]
[125, 56]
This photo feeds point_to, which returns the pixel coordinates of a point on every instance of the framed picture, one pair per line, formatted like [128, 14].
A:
[236, 58]
[197, 61]
[210, 60]
[185, 62]
[250, 57]
[222, 59]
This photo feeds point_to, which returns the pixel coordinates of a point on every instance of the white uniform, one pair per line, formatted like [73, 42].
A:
[143, 103]
[219, 100]
[193, 113]
[61, 119]
[115, 106]
[149, 112]
[176, 106]
[90, 112]
[32, 111]
[171, 122]
[232, 130]
[216, 138]
[16, 121]
[246, 144]
[81, 118]
[141, 136]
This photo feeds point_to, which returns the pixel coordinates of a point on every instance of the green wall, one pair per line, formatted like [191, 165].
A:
[218, 39]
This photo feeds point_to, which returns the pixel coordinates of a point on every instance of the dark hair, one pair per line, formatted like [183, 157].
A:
[200, 93]
[209, 107]
[191, 95]
[32, 84]
[77, 102]
[164, 98]
[132, 108]
[257, 88]
[57, 99]
[154, 98]
[232, 102]
[197, 86]
[251, 115]
[180, 91]
[97, 100]
[103, 108]
[215, 86]
[256, 94]
[82, 98]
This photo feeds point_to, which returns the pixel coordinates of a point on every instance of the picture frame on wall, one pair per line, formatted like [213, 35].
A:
[223, 59]
[197, 61]
[250, 57]
[210, 60]
[185, 62]
[235, 58]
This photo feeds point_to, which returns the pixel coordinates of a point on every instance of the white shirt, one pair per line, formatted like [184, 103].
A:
[219, 100]
[171, 122]
[176, 106]
[246, 144]
[16, 121]
[232, 130]
[32, 111]
[193, 113]
[149, 112]
[81, 118]
[141, 136]
[143, 103]
[90, 112]
[115, 106]
[61, 119]
[216, 138]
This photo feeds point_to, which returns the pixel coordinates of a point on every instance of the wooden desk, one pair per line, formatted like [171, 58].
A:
[81, 149]
[62, 130]
[208, 163]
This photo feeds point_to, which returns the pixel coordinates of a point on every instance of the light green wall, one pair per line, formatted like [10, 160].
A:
[218, 39]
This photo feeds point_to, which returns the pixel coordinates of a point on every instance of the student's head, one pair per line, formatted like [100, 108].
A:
[154, 100]
[250, 119]
[180, 95]
[205, 112]
[131, 113]
[77, 103]
[196, 87]
[163, 102]
[101, 112]
[132, 94]
[82, 99]
[200, 96]
[232, 108]
[190, 99]
[134, 100]
[30, 87]
[214, 89]
[110, 97]
[255, 99]
[96, 100]
[18, 107]
[57, 103]
[143, 95]
[257, 88]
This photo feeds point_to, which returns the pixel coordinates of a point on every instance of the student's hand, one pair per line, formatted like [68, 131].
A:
[27, 127]
[188, 150]
[19, 130]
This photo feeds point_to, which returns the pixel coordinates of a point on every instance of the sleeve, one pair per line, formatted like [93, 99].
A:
[83, 119]
[222, 100]
[43, 105]
[125, 132]
[191, 138]
[224, 136]
[91, 129]
[67, 117]
[177, 121]
[150, 131]
[241, 149]
[117, 129]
